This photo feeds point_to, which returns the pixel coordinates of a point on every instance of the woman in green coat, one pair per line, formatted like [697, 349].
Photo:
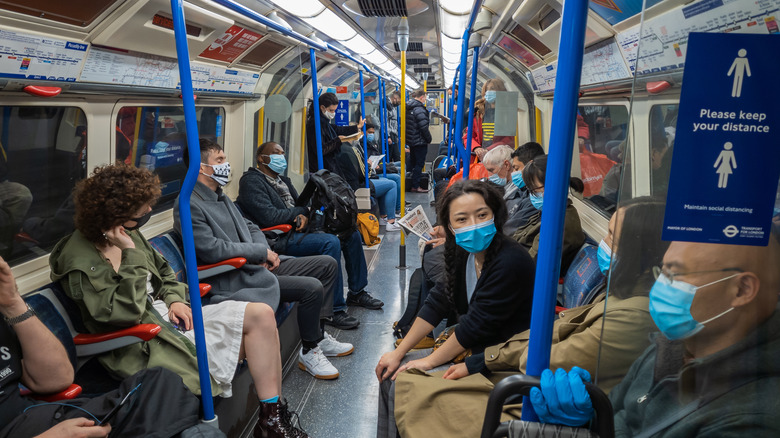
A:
[109, 269]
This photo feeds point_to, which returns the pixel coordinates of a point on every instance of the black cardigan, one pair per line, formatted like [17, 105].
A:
[501, 304]
[331, 143]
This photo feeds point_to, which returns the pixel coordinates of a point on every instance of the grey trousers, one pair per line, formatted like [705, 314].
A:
[309, 282]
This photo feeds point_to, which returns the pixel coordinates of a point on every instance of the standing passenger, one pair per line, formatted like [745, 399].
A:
[418, 136]
[331, 135]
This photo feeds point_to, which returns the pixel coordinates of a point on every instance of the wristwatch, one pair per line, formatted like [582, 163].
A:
[24, 316]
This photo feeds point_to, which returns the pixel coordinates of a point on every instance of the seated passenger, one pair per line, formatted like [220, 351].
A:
[528, 234]
[498, 164]
[267, 197]
[520, 157]
[15, 201]
[620, 330]
[109, 269]
[352, 169]
[221, 233]
[717, 361]
[489, 287]
[331, 134]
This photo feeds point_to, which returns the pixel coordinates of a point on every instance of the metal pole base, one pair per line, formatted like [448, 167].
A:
[213, 422]
[401, 257]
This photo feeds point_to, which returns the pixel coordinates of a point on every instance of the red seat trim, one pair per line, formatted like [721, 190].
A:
[71, 392]
[142, 331]
[204, 289]
[235, 262]
[284, 228]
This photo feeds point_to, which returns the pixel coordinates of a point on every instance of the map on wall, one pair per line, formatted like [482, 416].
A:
[28, 56]
[122, 67]
[213, 78]
[664, 39]
[603, 62]
[544, 77]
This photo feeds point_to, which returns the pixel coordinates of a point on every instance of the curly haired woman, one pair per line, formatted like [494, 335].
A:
[109, 269]
[489, 286]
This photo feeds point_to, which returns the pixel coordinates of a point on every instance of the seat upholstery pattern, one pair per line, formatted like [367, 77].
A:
[582, 278]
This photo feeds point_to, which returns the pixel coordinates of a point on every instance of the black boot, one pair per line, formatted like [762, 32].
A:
[275, 421]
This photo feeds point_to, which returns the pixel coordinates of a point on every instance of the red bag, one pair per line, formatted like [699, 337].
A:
[593, 168]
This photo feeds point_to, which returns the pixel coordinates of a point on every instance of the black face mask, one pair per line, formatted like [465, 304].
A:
[139, 222]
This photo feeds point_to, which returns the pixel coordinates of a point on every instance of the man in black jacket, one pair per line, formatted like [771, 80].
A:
[418, 136]
[267, 198]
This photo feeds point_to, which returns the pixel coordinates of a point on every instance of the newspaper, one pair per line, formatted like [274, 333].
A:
[417, 222]
[374, 160]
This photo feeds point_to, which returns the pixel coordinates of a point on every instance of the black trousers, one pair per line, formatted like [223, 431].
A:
[161, 408]
[417, 157]
[309, 282]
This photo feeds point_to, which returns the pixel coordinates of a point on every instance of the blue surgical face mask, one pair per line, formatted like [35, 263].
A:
[278, 163]
[370, 137]
[495, 179]
[670, 307]
[604, 255]
[221, 172]
[490, 96]
[475, 238]
[517, 179]
[537, 200]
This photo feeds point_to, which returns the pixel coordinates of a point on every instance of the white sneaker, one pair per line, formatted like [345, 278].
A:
[316, 364]
[332, 348]
[382, 221]
[393, 226]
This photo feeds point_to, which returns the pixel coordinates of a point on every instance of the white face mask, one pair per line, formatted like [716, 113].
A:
[329, 115]
[221, 172]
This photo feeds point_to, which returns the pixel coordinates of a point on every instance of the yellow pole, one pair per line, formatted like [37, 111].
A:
[303, 137]
[135, 134]
[402, 254]
[538, 118]
[260, 120]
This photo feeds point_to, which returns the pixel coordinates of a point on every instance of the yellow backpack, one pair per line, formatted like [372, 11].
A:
[368, 225]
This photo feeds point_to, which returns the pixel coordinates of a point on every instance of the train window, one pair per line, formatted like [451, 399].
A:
[663, 124]
[154, 137]
[76, 13]
[43, 152]
[601, 141]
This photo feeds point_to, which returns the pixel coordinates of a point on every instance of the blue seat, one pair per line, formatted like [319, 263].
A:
[581, 282]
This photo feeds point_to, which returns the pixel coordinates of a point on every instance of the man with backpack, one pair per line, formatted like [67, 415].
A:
[418, 136]
[221, 233]
[268, 198]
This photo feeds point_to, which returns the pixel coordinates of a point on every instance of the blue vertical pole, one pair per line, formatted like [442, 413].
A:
[185, 215]
[474, 67]
[383, 123]
[454, 150]
[398, 125]
[316, 106]
[556, 184]
[465, 151]
[363, 114]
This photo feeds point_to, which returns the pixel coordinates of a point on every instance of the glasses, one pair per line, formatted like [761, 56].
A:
[659, 271]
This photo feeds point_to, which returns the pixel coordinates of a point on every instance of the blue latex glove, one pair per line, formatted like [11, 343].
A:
[563, 398]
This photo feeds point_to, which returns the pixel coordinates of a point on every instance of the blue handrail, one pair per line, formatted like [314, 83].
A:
[383, 124]
[472, 102]
[464, 151]
[556, 184]
[267, 22]
[185, 214]
[365, 135]
[316, 107]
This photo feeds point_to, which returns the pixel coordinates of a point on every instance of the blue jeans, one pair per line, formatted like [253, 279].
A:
[300, 245]
[396, 178]
[387, 194]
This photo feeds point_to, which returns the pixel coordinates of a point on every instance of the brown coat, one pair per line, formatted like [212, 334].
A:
[573, 237]
[427, 405]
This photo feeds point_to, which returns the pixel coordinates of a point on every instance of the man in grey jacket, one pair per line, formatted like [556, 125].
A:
[222, 233]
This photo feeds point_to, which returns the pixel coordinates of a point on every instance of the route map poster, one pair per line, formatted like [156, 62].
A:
[726, 161]
[26, 56]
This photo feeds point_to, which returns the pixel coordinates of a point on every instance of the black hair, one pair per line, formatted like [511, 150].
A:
[262, 148]
[527, 151]
[326, 100]
[370, 126]
[206, 148]
[454, 256]
[417, 93]
[536, 169]
[640, 247]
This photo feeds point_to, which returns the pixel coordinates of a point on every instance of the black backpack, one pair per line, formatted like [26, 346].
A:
[333, 205]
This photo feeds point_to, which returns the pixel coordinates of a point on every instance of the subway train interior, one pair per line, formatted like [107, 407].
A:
[612, 112]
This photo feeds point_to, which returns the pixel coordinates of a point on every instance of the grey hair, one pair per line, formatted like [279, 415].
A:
[498, 155]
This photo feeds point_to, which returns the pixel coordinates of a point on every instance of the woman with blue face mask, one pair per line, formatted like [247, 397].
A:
[528, 235]
[489, 282]
[483, 138]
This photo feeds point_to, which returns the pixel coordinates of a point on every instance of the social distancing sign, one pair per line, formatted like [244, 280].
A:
[726, 156]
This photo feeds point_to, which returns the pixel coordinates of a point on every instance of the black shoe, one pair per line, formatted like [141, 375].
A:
[342, 321]
[363, 299]
[276, 421]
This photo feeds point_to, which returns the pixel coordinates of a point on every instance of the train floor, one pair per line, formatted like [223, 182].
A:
[347, 407]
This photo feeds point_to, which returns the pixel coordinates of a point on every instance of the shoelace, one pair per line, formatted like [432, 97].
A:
[287, 415]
